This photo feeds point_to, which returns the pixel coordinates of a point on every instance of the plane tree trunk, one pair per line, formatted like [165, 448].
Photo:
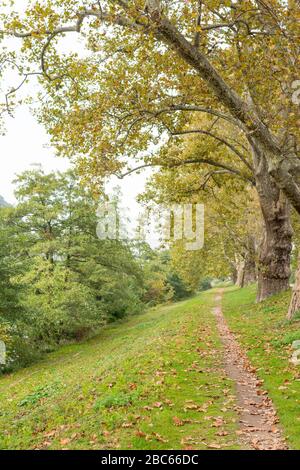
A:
[250, 275]
[240, 269]
[276, 244]
[295, 300]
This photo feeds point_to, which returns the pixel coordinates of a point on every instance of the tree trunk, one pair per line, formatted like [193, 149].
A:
[250, 275]
[233, 273]
[240, 268]
[276, 245]
[295, 300]
[245, 272]
[250, 272]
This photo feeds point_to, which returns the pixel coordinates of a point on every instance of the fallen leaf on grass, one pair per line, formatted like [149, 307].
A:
[212, 445]
[169, 403]
[159, 438]
[50, 433]
[191, 407]
[218, 422]
[132, 386]
[158, 404]
[46, 444]
[177, 421]
[65, 441]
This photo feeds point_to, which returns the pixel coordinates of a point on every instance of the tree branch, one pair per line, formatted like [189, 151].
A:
[195, 108]
[219, 139]
[207, 161]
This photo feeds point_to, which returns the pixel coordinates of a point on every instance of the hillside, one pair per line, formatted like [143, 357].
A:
[156, 381]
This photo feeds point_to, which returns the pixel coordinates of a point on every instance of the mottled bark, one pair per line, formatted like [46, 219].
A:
[240, 267]
[295, 300]
[245, 269]
[233, 274]
[276, 244]
[250, 276]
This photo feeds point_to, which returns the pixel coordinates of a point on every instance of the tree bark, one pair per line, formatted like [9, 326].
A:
[276, 244]
[233, 274]
[250, 276]
[240, 268]
[245, 271]
[295, 300]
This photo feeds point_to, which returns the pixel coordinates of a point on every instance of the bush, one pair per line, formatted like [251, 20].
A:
[205, 284]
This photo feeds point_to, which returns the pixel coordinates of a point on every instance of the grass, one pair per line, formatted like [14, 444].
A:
[153, 382]
[267, 337]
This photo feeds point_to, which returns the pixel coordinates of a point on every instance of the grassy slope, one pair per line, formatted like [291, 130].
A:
[262, 330]
[131, 387]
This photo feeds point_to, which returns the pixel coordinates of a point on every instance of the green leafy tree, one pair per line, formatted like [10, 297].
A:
[148, 65]
[70, 283]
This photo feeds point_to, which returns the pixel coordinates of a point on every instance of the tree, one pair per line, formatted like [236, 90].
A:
[294, 306]
[155, 86]
[162, 282]
[233, 224]
[9, 296]
[59, 281]
[295, 279]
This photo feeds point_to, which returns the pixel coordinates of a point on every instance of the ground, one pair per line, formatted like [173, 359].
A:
[263, 332]
[156, 381]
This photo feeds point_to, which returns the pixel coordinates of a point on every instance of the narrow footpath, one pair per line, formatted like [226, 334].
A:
[258, 421]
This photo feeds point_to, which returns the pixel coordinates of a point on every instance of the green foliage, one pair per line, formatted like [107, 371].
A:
[37, 395]
[59, 282]
[205, 284]
[162, 282]
[116, 400]
[180, 289]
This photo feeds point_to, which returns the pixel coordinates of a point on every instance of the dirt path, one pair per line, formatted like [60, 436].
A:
[258, 420]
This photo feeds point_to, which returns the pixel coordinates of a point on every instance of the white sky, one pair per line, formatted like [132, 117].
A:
[24, 143]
